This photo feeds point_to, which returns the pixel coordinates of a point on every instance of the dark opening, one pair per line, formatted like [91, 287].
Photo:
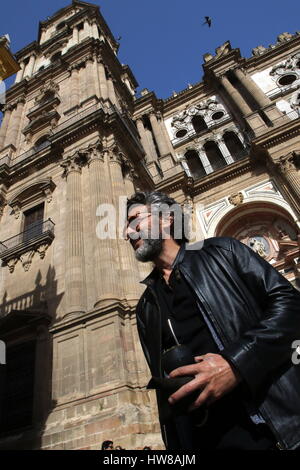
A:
[181, 133]
[195, 165]
[234, 145]
[199, 124]
[217, 115]
[60, 26]
[17, 387]
[287, 79]
[56, 57]
[214, 155]
[33, 222]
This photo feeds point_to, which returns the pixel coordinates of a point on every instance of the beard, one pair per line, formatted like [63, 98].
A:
[149, 250]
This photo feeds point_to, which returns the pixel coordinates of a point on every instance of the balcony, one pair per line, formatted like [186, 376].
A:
[23, 246]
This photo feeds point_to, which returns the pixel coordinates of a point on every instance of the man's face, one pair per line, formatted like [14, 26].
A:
[144, 233]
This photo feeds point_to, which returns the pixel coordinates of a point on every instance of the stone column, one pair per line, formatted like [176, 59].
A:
[204, 160]
[75, 296]
[20, 73]
[5, 124]
[30, 66]
[89, 73]
[15, 121]
[129, 269]
[235, 96]
[102, 78]
[75, 35]
[159, 136]
[290, 173]
[111, 90]
[105, 255]
[224, 150]
[87, 28]
[74, 86]
[144, 140]
[261, 99]
[95, 31]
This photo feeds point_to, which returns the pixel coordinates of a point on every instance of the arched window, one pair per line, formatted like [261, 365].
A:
[195, 165]
[41, 142]
[214, 155]
[234, 145]
[199, 124]
[56, 57]
[60, 26]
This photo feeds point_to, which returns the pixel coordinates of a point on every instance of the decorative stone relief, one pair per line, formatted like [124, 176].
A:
[42, 250]
[11, 264]
[26, 259]
[222, 50]
[287, 163]
[211, 110]
[236, 199]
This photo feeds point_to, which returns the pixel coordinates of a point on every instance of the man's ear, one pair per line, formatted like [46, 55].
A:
[167, 222]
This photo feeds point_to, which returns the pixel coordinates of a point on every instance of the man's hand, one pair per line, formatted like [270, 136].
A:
[214, 377]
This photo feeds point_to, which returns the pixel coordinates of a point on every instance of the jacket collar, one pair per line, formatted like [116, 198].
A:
[153, 276]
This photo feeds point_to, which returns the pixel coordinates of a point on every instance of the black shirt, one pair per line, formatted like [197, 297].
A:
[178, 303]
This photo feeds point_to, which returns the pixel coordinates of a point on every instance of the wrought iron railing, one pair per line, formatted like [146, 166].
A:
[34, 231]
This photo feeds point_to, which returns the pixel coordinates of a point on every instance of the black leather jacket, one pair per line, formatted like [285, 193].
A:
[254, 315]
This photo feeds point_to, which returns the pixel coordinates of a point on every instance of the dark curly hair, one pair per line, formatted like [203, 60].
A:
[149, 198]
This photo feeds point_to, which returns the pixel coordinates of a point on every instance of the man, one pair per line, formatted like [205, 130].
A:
[236, 315]
[107, 445]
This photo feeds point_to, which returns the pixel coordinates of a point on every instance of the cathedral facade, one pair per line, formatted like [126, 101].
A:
[75, 137]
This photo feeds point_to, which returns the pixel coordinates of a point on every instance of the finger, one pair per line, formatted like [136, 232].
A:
[203, 399]
[199, 358]
[192, 369]
[186, 389]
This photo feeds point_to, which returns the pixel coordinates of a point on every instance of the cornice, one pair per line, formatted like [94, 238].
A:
[278, 135]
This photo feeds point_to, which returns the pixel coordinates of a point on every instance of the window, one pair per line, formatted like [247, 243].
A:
[287, 79]
[195, 165]
[234, 145]
[33, 222]
[60, 26]
[199, 124]
[181, 133]
[56, 57]
[214, 155]
[17, 387]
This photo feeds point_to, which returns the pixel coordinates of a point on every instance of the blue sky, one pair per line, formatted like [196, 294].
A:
[163, 41]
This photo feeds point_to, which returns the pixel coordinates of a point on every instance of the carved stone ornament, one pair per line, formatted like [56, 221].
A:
[259, 50]
[11, 264]
[42, 250]
[48, 88]
[287, 163]
[222, 50]
[17, 210]
[26, 259]
[75, 162]
[236, 199]
[284, 37]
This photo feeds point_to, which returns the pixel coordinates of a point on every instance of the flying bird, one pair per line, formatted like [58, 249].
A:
[207, 21]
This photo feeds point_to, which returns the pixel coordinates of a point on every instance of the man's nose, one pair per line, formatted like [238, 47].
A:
[130, 231]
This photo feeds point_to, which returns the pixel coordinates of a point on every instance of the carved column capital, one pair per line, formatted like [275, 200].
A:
[287, 163]
[74, 163]
[95, 152]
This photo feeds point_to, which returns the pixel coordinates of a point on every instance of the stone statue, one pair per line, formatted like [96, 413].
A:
[258, 247]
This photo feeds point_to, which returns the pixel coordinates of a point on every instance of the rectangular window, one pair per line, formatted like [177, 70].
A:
[17, 387]
[33, 222]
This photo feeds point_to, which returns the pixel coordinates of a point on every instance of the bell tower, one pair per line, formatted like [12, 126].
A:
[68, 148]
